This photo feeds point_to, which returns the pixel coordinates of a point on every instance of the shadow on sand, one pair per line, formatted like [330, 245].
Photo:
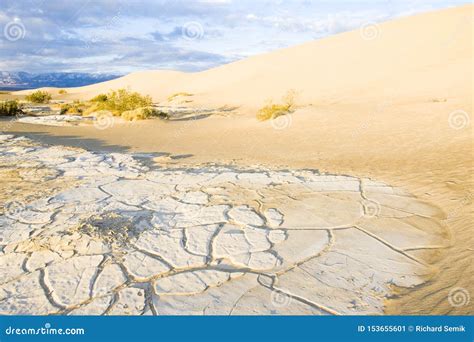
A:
[94, 145]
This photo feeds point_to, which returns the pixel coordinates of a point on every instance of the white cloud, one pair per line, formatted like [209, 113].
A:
[121, 36]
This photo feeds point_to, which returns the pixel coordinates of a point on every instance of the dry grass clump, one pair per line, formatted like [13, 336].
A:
[122, 102]
[39, 96]
[75, 108]
[119, 101]
[99, 98]
[142, 114]
[272, 110]
[129, 105]
[10, 108]
[62, 92]
[137, 114]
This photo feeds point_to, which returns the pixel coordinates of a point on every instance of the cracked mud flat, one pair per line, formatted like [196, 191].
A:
[104, 234]
[56, 120]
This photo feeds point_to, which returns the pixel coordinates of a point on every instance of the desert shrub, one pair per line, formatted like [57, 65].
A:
[39, 96]
[90, 108]
[142, 113]
[137, 114]
[72, 108]
[96, 104]
[99, 98]
[10, 108]
[62, 91]
[272, 110]
[172, 97]
[122, 100]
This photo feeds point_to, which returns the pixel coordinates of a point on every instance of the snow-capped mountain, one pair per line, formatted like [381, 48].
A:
[25, 80]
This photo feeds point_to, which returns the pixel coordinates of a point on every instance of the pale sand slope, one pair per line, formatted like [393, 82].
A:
[380, 108]
[424, 55]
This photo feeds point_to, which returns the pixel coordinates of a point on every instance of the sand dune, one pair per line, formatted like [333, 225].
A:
[396, 108]
[400, 57]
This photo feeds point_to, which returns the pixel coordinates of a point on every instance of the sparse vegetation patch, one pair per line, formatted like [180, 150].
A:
[143, 113]
[119, 101]
[272, 110]
[10, 108]
[99, 98]
[39, 96]
[73, 108]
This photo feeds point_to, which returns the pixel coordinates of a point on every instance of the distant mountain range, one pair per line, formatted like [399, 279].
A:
[25, 80]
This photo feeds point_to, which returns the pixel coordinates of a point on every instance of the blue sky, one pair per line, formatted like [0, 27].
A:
[123, 36]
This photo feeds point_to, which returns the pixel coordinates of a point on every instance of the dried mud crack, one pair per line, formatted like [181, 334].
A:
[113, 236]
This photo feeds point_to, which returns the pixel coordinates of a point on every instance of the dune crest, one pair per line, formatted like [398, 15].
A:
[402, 56]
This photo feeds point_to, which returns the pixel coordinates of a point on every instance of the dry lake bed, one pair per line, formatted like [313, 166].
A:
[89, 233]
